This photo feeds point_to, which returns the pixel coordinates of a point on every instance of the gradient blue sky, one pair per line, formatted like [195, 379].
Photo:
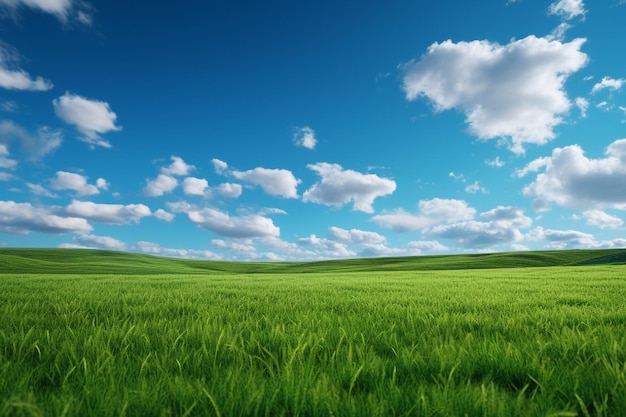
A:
[287, 130]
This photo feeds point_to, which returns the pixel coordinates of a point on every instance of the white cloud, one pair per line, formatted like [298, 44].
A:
[474, 188]
[75, 182]
[64, 10]
[458, 177]
[583, 105]
[501, 227]
[177, 167]
[108, 213]
[279, 182]
[338, 187]
[563, 239]
[380, 249]
[229, 190]
[195, 186]
[326, 247]
[247, 226]
[165, 182]
[495, 163]
[570, 179]
[5, 162]
[431, 212]
[37, 189]
[102, 184]
[608, 83]
[164, 215]
[271, 210]
[160, 185]
[36, 146]
[602, 220]
[567, 9]
[507, 217]
[14, 78]
[219, 166]
[355, 236]
[90, 117]
[156, 249]
[559, 32]
[426, 246]
[513, 91]
[237, 246]
[102, 242]
[305, 137]
[20, 80]
[23, 218]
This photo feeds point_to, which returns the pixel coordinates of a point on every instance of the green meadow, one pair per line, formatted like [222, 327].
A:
[97, 333]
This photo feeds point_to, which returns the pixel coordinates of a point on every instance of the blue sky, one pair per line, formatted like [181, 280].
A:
[288, 130]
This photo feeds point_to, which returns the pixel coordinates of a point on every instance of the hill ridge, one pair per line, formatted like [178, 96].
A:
[96, 261]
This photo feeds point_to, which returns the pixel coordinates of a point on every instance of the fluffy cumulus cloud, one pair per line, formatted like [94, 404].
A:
[90, 117]
[426, 246]
[365, 243]
[14, 78]
[98, 242]
[162, 184]
[602, 220]
[36, 145]
[567, 9]
[76, 182]
[166, 216]
[340, 186]
[108, 213]
[229, 190]
[166, 182]
[278, 182]
[22, 218]
[571, 179]
[195, 186]
[64, 10]
[355, 236]
[305, 137]
[223, 224]
[608, 83]
[513, 91]
[500, 226]
[563, 239]
[326, 248]
[177, 167]
[431, 212]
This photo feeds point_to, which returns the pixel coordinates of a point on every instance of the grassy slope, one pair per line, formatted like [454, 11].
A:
[85, 261]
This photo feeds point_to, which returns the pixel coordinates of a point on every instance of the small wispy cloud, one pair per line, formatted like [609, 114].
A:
[305, 137]
[567, 9]
[608, 83]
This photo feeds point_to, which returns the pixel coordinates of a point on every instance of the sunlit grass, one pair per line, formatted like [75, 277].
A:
[500, 342]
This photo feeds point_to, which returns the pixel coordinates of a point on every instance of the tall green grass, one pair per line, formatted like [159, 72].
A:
[499, 342]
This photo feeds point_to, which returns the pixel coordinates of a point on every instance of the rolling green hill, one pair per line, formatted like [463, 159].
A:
[88, 261]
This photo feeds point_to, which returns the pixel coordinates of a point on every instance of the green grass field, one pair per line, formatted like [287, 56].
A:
[116, 334]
